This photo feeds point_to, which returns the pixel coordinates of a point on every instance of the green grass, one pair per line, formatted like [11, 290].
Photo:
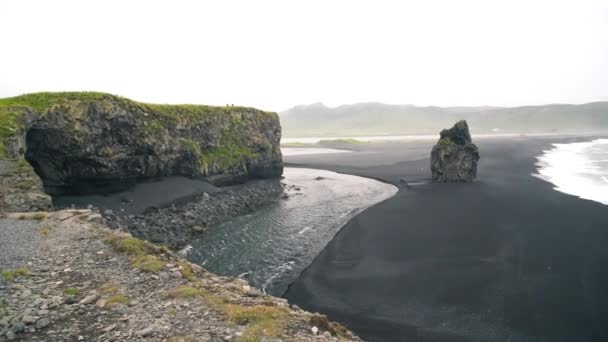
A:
[240, 314]
[12, 110]
[71, 291]
[160, 118]
[263, 321]
[10, 275]
[23, 165]
[142, 253]
[116, 300]
[40, 102]
[184, 292]
[109, 288]
[148, 263]
[39, 216]
[186, 270]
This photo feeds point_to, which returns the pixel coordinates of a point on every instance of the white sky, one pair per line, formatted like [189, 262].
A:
[277, 54]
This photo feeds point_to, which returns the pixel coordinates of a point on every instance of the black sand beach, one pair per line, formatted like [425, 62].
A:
[506, 258]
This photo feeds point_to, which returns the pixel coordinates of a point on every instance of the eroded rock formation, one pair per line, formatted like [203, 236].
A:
[82, 142]
[454, 157]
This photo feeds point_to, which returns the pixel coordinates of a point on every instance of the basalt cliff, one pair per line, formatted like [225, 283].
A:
[83, 142]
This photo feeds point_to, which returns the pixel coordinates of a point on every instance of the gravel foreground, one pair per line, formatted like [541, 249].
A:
[67, 277]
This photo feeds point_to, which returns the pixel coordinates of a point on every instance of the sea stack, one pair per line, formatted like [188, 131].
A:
[454, 157]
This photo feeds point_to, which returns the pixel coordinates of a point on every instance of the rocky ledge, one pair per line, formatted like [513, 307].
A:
[454, 157]
[66, 277]
[176, 225]
[82, 143]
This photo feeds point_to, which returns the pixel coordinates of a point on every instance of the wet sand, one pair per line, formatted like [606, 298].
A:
[504, 258]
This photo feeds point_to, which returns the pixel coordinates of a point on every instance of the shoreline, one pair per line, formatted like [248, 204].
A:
[149, 212]
[342, 290]
[271, 246]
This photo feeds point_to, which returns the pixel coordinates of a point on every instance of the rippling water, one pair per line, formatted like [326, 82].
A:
[579, 169]
[272, 246]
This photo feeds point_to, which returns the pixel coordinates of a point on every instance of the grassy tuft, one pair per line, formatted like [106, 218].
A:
[249, 314]
[23, 165]
[265, 328]
[10, 275]
[186, 270]
[143, 253]
[109, 288]
[70, 291]
[117, 299]
[39, 216]
[184, 292]
[148, 263]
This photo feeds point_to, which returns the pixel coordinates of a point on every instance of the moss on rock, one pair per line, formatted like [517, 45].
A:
[88, 137]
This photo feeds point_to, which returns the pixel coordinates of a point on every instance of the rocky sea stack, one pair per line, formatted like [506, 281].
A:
[79, 143]
[454, 157]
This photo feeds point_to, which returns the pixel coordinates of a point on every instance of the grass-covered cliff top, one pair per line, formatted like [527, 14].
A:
[13, 108]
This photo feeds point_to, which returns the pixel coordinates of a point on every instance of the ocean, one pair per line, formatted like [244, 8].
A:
[579, 169]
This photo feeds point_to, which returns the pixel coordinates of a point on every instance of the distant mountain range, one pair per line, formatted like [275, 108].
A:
[318, 120]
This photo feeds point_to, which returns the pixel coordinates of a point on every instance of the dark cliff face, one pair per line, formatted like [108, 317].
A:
[454, 158]
[88, 146]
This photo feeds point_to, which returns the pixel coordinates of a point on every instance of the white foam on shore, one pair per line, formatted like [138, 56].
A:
[577, 169]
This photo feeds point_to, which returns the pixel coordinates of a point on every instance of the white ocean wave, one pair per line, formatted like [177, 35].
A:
[577, 169]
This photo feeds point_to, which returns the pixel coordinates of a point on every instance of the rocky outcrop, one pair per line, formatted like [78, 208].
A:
[20, 188]
[67, 277]
[87, 142]
[454, 157]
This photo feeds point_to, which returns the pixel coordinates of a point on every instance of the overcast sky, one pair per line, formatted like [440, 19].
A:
[277, 54]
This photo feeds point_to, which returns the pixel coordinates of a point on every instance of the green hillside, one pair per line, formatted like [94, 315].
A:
[383, 119]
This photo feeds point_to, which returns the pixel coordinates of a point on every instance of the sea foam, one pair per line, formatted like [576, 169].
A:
[579, 169]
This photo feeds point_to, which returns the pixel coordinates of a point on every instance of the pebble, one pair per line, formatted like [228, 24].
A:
[101, 303]
[146, 331]
[109, 328]
[18, 327]
[27, 319]
[88, 299]
[43, 322]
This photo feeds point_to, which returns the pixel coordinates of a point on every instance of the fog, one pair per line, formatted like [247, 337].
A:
[277, 54]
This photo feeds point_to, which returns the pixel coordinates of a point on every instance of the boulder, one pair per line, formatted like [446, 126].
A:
[84, 143]
[454, 157]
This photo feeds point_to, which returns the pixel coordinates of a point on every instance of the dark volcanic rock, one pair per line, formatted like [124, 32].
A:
[82, 146]
[454, 157]
[174, 226]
